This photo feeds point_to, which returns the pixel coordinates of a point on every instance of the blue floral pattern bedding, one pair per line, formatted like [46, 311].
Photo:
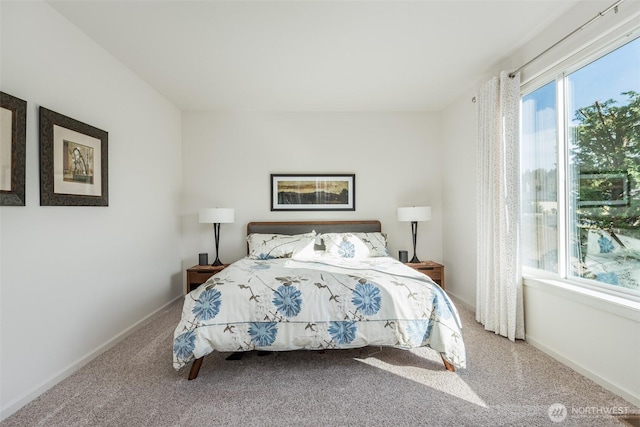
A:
[286, 304]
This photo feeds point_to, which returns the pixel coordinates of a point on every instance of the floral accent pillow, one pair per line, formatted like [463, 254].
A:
[355, 245]
[271, 246]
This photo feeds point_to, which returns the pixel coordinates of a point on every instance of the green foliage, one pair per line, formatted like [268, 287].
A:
[609, 135]
[607, 140]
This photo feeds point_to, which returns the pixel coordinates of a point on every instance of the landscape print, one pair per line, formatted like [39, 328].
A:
[313, 192]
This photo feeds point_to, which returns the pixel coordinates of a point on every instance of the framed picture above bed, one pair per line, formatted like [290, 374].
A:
[73, 162]
[313, 192]
[13, 137]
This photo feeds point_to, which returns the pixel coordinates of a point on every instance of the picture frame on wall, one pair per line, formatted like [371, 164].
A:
[13, 142]
[74, 167]
[313, 192]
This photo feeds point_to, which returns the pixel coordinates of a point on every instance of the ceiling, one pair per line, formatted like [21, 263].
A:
[301, 55]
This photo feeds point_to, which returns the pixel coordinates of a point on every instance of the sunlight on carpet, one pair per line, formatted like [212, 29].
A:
[443, 381]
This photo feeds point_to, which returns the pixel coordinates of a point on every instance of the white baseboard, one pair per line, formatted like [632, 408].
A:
[459, 301]
[15, 405]
[625, 394]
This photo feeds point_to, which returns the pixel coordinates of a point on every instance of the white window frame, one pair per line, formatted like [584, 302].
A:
[558, 72]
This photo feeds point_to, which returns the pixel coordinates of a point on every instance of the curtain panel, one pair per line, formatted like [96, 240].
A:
[499, 303]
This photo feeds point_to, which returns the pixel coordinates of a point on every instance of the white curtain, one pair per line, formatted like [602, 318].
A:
[499, 305]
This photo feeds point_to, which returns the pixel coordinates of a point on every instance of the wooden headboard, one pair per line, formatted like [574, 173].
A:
[299, 227]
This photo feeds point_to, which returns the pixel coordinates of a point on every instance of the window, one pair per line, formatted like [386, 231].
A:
[580, 164]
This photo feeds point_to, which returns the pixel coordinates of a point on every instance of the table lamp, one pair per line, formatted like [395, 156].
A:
[414, 214]
[216, 216]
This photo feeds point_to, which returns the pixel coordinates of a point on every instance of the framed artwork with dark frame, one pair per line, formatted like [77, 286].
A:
[73, 162]
[13, 142]
[311, 192]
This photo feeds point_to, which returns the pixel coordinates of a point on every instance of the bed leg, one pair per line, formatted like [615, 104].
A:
[448, 366]
[195, 368]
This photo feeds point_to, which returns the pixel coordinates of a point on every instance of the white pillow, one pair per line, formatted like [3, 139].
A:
[355, 245]
[270, 246]
[308, 251]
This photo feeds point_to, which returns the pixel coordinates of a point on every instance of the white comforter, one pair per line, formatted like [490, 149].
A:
[284, 304]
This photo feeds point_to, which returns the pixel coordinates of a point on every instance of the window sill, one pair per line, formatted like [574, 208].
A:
[624, 307]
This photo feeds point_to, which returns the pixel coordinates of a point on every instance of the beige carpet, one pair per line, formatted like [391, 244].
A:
[505, 384]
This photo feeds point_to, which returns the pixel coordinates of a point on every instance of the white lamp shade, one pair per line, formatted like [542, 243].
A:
[216, 215]
[415, 213]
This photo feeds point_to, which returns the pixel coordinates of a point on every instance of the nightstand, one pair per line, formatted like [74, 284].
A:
[431, 269]
[198, 274]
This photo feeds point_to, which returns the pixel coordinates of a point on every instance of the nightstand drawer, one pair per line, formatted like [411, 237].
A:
[434, 272]
[431, 269]
[199, 278]
[199, 274]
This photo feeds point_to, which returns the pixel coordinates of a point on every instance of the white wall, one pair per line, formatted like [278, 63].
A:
[597, 338]
[228, 159]
[458, 199]
[73, 278]
[600, 338]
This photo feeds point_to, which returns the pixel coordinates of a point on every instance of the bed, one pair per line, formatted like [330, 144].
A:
[315, 286]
